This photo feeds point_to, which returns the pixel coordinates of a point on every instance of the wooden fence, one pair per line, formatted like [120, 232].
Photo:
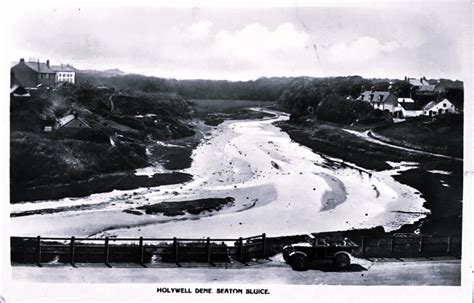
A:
[410, 246]
[148, 251]
[135, 250]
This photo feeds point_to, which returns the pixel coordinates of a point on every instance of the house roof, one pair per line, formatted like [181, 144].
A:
[40, 67]
[19, 91]
[68, 119]
[378, 96]
[429, 105]
[63, 68]
[417, 82]
[14, 88]
[65, 120]
[427, 88]
[434, 103]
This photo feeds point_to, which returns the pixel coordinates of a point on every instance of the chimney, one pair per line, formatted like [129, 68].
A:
[47, 63]
[22, 60]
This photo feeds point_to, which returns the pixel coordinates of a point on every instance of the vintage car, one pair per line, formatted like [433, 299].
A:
[339, 250]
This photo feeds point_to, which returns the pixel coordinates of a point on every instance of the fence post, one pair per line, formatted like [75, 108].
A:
[264, 245]
[141, 252]
[72, 251]
[38, 251]
[420, 249]
[448, 249]
[175, 250]
[241, 249]
[391, 245]
[208, 246]
[106, 251]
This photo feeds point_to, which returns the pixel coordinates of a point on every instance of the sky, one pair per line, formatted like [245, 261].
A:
[242, 43]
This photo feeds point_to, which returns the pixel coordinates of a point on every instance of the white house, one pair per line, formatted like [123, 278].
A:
[64, 74]
[434, 108]
[410, 110]
[382, 100]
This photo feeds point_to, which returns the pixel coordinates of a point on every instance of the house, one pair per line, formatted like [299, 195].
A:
[417, 82]
[435, 108]
[411, 109]
[18, 91]
[430, 90]
[64, 73]
[31, 74]
[382, 100]
[71, 121]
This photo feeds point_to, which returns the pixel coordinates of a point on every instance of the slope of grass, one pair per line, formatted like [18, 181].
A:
[442, 135]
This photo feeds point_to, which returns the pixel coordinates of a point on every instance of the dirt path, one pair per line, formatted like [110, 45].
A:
[374, 138]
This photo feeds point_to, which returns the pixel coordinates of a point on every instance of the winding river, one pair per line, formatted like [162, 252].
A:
[279, 187]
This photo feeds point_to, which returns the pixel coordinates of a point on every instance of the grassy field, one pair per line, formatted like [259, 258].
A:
[442, 135]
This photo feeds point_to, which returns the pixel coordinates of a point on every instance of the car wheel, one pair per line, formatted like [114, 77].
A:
[342, 260]
[299, 261]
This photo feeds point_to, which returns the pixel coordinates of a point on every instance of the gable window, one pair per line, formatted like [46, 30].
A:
[444, 104]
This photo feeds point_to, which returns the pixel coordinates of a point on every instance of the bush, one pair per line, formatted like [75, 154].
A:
[82, 134]
[339, 110]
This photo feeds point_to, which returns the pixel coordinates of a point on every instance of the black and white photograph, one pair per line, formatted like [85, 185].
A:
[238, 151]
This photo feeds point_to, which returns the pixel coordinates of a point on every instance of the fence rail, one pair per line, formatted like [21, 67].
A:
[410, 246]
[135, 250]
[148, 251]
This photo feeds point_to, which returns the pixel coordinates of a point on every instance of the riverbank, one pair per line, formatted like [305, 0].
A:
[77, 140]
[264, 171]
[160, 161]
[442, 134]
[438, 180]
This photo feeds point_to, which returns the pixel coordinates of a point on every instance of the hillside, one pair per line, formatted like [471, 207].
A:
[121, 125]
[262, 89]
[443, 134]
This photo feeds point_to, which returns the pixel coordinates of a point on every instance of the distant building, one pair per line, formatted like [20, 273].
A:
[71, 120]
[435, 108]
[64, 74]
[431, 90]
[382, 100]
[424, 90]
[32, 74]
[417, 82]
